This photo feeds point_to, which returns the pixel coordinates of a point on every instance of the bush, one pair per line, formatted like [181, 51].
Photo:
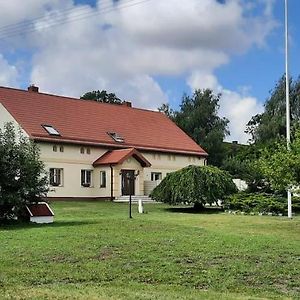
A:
[260, 203]
[198, 185]
[22, 179]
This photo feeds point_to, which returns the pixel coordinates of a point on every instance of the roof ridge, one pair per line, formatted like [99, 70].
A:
[88, 122]
[83, 100]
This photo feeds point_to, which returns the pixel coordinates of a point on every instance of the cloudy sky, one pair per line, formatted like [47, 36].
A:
[150, 51]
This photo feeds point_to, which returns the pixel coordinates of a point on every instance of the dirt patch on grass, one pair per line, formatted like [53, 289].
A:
[107, 253]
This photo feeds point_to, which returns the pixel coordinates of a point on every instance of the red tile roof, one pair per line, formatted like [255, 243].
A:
[39, 210]
[87, 122]
[115, 157]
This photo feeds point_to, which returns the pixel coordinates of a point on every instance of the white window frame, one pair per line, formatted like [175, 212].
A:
[51, 130]
[155, 174]
[103, 179]
[57, 175]
[85, 179]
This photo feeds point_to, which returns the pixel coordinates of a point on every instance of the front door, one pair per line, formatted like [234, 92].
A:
[128, 182]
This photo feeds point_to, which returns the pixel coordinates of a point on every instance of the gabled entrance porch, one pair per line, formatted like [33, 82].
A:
[124, 164]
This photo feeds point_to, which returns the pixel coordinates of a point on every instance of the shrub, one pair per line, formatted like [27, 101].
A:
[22, 179]
[259, 203]
[198, 185]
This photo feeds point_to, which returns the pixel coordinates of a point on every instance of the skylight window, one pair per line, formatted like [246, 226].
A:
[51, 130]
[116, 137]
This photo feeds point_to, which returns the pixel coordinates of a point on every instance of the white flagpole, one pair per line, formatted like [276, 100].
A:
[287, 89]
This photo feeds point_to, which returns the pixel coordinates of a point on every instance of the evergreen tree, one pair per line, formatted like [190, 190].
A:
[23, 178]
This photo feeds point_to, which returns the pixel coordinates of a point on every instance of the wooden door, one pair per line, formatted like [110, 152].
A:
[128, 182]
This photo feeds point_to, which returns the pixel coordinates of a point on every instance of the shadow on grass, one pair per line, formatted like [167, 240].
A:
[14, 225]
[192, 210]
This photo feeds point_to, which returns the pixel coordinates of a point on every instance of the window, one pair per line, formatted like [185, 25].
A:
[54, 148]
[82, 150]
[88, 150]
[86, 178]
[61, 149]
[56, 177]
[102, 179]
[116, 137]
[155, 176]
[51, 130]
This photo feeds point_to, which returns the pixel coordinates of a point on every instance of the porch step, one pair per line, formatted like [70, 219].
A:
[135, 199]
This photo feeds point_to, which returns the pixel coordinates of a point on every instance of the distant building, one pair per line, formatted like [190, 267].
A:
[91, 149]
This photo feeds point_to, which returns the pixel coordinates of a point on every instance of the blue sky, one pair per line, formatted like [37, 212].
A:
[151, 52]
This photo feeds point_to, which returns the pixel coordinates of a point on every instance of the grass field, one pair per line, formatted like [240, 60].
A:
[93, 251]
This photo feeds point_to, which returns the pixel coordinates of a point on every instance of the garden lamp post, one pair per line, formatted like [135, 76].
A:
[131, 178]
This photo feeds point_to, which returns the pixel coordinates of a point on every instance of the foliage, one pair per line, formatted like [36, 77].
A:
[280, 166]
[22, 179]
[102, 96]
[167, 110]
[198, 185]
[234, 149]
[249, 171]
[198, 117]
[270, 126]
[256, 202]
[260, 203]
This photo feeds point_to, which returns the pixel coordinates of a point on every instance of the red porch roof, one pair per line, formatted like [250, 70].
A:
[116, 157]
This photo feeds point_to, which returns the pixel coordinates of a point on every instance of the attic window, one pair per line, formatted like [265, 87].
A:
[116, 137]
[51, 130]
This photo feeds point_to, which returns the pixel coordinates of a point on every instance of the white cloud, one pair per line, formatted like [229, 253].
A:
[122, 51]
[8, 73]
[237, 107]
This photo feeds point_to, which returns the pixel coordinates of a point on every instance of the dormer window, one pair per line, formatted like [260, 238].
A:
[51, 130]
[116, 137]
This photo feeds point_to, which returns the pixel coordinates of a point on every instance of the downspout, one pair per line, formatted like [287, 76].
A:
[111, 183]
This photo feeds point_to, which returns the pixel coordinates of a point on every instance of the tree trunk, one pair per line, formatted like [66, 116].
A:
[198, 206]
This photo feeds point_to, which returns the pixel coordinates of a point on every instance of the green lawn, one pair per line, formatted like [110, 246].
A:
[93, 251]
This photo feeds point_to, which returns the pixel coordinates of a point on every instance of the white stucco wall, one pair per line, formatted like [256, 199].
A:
[72, 162]
[166, 163]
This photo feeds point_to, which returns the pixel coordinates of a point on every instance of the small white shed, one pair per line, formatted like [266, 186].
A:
[40, 213]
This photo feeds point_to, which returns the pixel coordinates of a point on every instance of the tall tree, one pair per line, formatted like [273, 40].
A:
[280, 166]
[270, 126]
[198, 117]
[102, 96]
[167, 110]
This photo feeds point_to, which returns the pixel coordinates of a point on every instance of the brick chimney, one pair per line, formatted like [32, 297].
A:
[32, 88]
[127, 103]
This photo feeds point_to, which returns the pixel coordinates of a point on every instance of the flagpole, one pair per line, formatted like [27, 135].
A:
[287, 91]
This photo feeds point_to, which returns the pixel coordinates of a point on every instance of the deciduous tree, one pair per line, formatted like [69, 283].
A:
[102, 96]
[270, 126]
[198, 117]
[193, 184]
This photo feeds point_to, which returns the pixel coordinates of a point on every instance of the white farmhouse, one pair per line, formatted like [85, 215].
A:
[91, 149]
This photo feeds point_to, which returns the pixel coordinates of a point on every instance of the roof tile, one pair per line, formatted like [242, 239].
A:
[89, 121]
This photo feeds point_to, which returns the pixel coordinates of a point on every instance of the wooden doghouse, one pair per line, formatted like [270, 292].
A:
[40, 213]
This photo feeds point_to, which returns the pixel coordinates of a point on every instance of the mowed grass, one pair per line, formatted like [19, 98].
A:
[93, 251]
